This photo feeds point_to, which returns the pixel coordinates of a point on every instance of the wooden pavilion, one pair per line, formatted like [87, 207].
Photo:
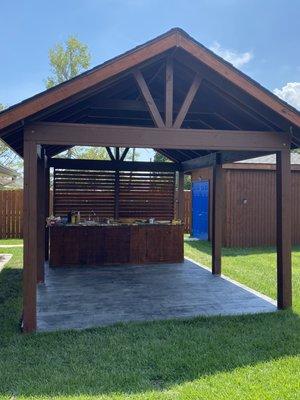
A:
[170, 94]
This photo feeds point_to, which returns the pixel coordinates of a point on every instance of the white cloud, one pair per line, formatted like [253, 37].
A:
[290, 93]
[235, 58]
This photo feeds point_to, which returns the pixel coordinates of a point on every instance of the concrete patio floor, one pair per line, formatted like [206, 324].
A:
[78, 298]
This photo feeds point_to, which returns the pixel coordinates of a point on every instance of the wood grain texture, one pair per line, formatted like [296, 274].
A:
[157, 138]
[217, 218]
[30, 257]
[114, 194]
[124, 244]
[145, 92]
[187, 101]
[169, 93]
[284, 219]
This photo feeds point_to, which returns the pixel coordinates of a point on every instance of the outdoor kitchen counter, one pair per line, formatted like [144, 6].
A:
[83, 245]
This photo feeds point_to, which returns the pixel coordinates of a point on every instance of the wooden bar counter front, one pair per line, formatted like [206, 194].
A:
[76, 245]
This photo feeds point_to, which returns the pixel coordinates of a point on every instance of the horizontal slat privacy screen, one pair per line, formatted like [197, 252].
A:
[84, 191]
[141, 194]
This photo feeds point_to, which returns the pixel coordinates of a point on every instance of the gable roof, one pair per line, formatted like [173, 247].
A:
[7, 171]
[175, 38]
[271, 159]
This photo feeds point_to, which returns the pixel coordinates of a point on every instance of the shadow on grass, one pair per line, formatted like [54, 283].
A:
[10, 301]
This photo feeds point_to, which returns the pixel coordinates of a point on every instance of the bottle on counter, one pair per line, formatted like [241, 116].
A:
[73, 218]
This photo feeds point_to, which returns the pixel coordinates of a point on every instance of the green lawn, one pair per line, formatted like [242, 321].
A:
[248, 357]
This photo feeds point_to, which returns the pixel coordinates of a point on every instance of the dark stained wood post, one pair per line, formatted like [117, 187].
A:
[169, 94]
[41, 216]
[181, 196]
[217, 217]
[117, 186]
[47, 206]
[117, 194]
[283, 192]
[30, 236]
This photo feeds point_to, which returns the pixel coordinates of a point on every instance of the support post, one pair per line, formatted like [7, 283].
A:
[117, 194]
[283, 195]
[217, 216]
[41, 217]
[30, 236]
[47, 207]
[181, 196]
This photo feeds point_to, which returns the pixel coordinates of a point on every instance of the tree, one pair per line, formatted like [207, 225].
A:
[93, 153]
[67, 61]
[86, 153]
[187, 178]
[160, 158]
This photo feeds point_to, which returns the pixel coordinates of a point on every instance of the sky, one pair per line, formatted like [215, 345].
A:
[261, 37]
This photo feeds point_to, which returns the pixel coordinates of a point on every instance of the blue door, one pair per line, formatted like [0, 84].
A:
[200, 200]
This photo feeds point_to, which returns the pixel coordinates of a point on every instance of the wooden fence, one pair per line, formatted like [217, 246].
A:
[11, 213]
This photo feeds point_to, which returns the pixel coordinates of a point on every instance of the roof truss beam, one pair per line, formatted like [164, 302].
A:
[120, 165]
[187, 101]
[110, 153]
[124, 154]
[145, 92]
[166, 138]
[210, 160]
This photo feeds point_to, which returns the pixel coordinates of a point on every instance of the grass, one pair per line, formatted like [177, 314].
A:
[254, 267]
[10, 242]
[245, 357]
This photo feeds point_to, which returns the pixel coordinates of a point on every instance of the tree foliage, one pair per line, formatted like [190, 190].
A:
[160, 157]
[67, 61]
[93, 153]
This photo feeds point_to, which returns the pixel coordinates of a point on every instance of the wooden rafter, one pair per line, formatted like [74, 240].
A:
[169, 93]
[187, 101]
[106, 165]
[110, 153]
[124, 154]
[145, 92]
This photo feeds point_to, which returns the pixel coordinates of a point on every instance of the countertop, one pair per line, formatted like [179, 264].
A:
[114, 224]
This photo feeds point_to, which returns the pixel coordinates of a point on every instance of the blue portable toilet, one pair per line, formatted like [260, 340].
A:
[200, 204]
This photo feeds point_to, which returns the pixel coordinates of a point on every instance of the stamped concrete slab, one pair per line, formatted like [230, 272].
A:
[78, 298]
